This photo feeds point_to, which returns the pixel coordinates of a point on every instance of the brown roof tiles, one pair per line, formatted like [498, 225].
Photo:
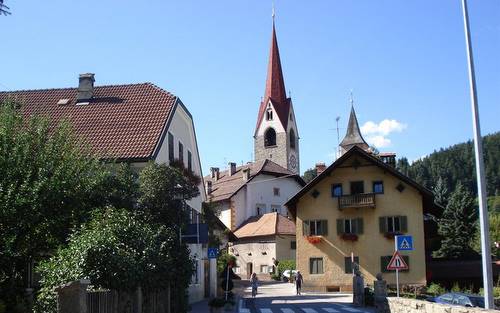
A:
[269, 224]
[119, 122]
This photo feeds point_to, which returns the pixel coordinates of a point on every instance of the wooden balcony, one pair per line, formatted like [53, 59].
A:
[362, 200]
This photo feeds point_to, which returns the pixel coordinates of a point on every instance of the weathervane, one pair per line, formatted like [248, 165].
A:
[273, 14]
[351, 98]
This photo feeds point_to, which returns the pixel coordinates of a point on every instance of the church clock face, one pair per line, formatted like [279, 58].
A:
[293, 161]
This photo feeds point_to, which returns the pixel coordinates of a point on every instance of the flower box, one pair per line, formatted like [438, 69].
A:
[314, 239]
[391, 235]
[351, 237]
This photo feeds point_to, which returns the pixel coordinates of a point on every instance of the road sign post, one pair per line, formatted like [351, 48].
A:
[404, 243]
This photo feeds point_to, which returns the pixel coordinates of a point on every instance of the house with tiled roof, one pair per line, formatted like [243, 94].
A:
[250, 197]
[133, 123]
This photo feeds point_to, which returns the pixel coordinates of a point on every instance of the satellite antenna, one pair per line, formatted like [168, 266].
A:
[4, 9]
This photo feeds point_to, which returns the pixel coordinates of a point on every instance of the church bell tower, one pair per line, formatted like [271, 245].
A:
[276, 136]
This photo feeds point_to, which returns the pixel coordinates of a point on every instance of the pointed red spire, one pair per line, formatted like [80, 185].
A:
[275, 86]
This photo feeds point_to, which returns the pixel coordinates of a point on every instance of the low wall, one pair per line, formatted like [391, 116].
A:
[403, 305]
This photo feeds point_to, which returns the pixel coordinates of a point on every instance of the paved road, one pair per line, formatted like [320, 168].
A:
[280, 298]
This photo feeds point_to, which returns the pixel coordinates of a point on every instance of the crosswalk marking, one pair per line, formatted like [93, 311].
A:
[287, 310]
[309, 310]
[330, 310]
[266, 311]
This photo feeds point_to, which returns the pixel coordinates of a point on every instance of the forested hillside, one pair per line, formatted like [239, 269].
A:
[456, 164]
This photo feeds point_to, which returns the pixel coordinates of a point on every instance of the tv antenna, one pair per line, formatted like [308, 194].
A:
[4, 9]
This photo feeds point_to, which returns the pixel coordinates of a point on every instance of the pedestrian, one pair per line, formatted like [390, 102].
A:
[298, 282]
[254, 281]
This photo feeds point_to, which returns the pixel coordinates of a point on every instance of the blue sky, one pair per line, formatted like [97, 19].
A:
[405, 61]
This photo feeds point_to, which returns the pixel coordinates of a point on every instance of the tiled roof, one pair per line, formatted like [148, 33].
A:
[226, 186]
[275, 86]
[120, 121]
[353, 136]
[266, 225]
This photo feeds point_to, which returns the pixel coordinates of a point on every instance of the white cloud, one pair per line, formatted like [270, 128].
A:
[379, 141]
[377, 132]
[383, 128]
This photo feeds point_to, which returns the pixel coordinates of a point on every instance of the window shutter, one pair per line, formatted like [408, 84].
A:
[348, 265]
[404, 224]
[340, 226]
[324, 224]
[383, 224]
[384, 261]
[359, 226]
[407, 261]
[305, 229]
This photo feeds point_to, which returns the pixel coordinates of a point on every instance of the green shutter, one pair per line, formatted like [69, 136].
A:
[384, 261]
[305, 229]
[347, 265]
[404, 224]
[383, 224]
[407, 261]
[324, 227]
[340, 226]
[359, 226]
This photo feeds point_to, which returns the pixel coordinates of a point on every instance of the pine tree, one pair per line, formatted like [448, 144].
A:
[457, 226]
[440, 192]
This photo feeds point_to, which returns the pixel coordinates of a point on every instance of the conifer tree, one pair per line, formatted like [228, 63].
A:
[457, 226]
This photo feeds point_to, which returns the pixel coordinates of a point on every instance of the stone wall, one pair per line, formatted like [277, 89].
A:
[403, 305]
[277, 154]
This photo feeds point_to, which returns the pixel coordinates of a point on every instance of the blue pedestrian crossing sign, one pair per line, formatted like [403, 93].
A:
[213, 253]
[404, 243]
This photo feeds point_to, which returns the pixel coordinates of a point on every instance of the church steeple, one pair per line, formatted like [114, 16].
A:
[276, 137]
[275, 85]
[353, 136]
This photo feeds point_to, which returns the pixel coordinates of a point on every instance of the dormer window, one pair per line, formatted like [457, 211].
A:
[269, 115]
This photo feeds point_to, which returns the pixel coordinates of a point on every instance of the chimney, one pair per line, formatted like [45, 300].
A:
[232, 168]
[215, 173]
[85, 87]
[320, 168]
[208, 187]
[246, 174]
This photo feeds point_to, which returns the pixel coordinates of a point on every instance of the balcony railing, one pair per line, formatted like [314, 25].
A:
[361, 200]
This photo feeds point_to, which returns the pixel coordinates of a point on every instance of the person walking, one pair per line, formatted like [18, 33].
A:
[254, 281]
[298, 282]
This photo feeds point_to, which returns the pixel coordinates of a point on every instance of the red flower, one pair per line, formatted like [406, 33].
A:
[351, 237]
[314, 239]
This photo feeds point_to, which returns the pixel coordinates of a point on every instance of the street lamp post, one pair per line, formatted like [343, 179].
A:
[481, 182]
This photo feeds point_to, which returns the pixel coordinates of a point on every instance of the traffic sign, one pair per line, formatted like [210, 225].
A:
[404, 243]
[397, 262]
[213, 253]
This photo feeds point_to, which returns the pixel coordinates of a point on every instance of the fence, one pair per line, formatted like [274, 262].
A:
[74, 298]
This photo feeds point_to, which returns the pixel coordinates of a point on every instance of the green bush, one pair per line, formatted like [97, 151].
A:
[496, 292]
[284, 265]
[435, 289]
[116, 250]
[2, 307]
[223, 259]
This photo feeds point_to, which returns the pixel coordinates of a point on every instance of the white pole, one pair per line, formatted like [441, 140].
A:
[397, 270]
[481, 181]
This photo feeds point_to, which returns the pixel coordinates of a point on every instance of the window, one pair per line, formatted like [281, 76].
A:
[384, 261]
[170, 147]
[269, 115]
[261, 209]
[264, 269]
[316, 266]
[348, 264]
[393, 224]
[270, 137]
[190, 161]
[276, 208]
[293, 245]
[315, 228]
[195, 279]
[336, 190]
[291, 117]
[357, 187]
[350, 226]
[181, 152]
[378, 187]
[292, 139]
[276, 192]
[237, 270]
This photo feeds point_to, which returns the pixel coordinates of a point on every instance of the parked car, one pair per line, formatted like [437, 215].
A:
[286, 274]
[461, 299]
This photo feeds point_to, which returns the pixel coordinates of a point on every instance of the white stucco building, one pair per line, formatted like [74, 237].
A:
[134, 123]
